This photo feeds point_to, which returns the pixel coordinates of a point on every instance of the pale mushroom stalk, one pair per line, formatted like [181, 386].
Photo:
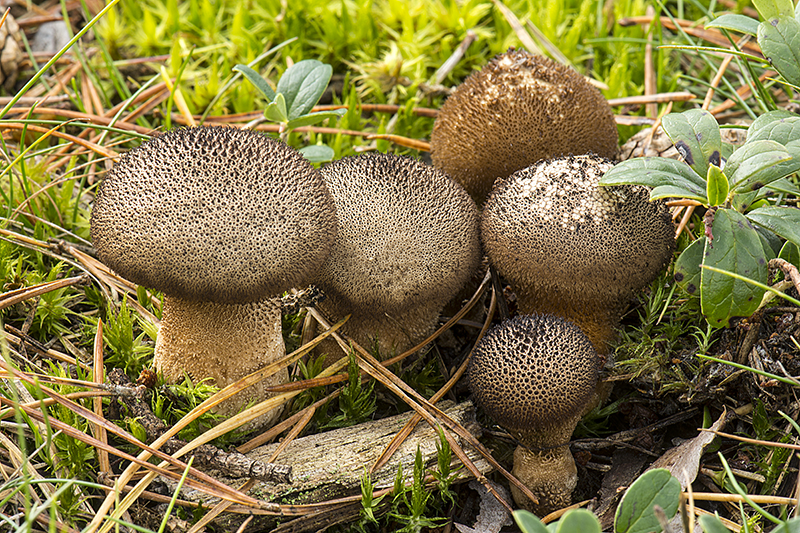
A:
[408, 241]
[534, 375]
[518, 109]
[224, 342]
[222, 221]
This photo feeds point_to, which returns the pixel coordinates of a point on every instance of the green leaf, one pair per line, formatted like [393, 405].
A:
[687, 267]
[528, 523]
[712, 524]
[741, 201]
[657, 172]
[695, 134]
[276, 110]
[791, 253]
[317, 153]
[740, 23]
[784, 130]
[256, 79]
[773, 8]
[779, 38]
[314, 118]
[783, 185]
[303, 84]
[581, 520]
[671, 191]
[635, 512]
[780, 126]
[716, 186]
[736, 247]
[781, 220]
[753, 165]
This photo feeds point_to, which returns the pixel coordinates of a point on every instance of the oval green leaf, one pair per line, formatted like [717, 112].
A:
[256, 79]
[754, 165]
[779, 38]
[695, 134]
[773, 8]
[712, 524]
[655, 172]
[716, 186]
[317, 153]
[740, 23]
[581, 520]
[780, 126]
[687, 267]
[528, 523]
[791, 253]
[635, 512]
[736, 247]
[781, 220]
[276, 110]
[303, 84]
[314, 118]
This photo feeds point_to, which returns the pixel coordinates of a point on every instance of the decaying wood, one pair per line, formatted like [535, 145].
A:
[330, 465]
[205, 456]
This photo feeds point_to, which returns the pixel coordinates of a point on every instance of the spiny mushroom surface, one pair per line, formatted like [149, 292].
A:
[222, 221]
[533, 375]
[574, 249]
[408, 241]
[518, 109]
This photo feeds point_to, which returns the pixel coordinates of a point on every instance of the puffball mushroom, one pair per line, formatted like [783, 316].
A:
[533, 375]
[222, 221]
[518, 109]
[408, 241]
[571, 248]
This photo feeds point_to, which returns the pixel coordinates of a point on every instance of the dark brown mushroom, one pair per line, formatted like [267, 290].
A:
[518, 109]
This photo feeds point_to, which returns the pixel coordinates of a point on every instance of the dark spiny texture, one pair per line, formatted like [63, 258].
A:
[533, 372]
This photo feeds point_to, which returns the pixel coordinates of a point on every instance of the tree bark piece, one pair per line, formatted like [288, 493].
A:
[330, 465]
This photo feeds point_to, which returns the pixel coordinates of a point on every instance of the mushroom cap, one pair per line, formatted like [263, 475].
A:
[214, 214]
[534, 373]
[518, 109]
[553, 231]
[407, 235]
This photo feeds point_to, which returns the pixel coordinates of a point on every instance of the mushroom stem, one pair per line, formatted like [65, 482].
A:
[550, 474]
[392, 334]
[224, 342]
[543, 463]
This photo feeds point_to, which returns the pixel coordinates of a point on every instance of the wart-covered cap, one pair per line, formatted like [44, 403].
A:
[215, 214]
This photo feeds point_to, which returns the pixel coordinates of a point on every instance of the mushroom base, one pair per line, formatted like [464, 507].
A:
[223, 342]
[392, 334]
[551, 475]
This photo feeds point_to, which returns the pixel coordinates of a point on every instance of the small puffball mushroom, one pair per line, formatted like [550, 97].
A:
[408, 241]
[222, 221]
[572, 248]
[518, 109]
[533, 375]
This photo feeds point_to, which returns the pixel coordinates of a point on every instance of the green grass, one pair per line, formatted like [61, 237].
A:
[385, 52]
